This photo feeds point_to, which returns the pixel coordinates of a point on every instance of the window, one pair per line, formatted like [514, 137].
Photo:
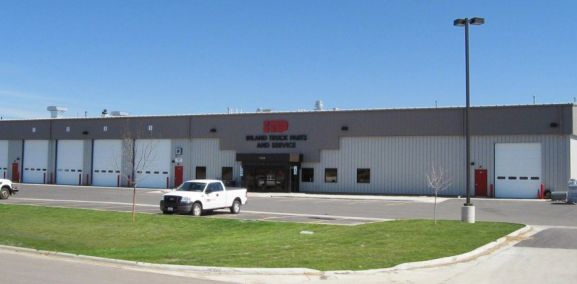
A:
[363, 175]
[215, 187]
[331, 175]
[200, 172]
[105, 128]
[308, 175]
[150, 127]
[67, 128]
[226, 173]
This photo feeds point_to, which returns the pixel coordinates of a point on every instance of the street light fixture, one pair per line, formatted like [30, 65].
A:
[468, 210]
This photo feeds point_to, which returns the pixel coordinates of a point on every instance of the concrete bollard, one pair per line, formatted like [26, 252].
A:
[468, 214]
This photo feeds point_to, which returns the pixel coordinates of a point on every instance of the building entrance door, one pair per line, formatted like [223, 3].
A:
[270, 172]
[15, 172]
[266, 179]
[178, 175]
[480, 182]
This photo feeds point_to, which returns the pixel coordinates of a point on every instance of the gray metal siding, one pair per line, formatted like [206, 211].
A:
[399, 165]
[207, 153]
[555, 156]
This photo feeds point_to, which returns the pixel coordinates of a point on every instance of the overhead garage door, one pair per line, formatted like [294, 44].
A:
[517, 170]
[35, 161]
[69, 162]
[152, 162]
[3, 159]
[106, 162]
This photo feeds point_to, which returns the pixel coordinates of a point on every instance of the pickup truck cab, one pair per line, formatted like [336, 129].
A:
[7, 189]
[200, 195]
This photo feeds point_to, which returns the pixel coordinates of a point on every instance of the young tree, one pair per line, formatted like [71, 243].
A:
[438, 180]
[135, 158]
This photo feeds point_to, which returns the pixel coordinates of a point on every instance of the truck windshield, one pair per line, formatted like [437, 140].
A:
[191, 186]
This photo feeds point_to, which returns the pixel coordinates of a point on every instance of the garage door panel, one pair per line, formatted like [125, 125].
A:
[3, 158]
[152, 162]
[35, 161]
[517, 170]
[106, 162]
[70, 162]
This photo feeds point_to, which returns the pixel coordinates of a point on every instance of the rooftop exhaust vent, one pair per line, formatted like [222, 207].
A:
[319, 106]
[118, 113]
[56, 111]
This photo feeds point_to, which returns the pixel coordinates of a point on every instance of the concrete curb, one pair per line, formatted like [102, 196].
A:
[480, 251]
[169, 268]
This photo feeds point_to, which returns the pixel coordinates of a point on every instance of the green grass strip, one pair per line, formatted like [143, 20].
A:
[236, 243]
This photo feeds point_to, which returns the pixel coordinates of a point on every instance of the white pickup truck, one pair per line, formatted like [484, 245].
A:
[6, 189]
[200, 195]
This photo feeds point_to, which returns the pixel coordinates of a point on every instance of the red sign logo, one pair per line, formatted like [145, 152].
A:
[275, 126]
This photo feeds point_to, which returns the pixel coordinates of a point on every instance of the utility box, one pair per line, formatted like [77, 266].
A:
[572, 192]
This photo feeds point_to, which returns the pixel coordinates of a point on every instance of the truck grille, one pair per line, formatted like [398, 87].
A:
[172, 201]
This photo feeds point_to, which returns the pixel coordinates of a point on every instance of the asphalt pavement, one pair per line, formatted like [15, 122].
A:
[546, 255]
[532, 212]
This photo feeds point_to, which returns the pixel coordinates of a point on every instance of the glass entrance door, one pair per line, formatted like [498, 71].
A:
[267, 179]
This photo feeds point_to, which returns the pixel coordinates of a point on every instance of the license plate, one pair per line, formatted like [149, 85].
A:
[169, 209]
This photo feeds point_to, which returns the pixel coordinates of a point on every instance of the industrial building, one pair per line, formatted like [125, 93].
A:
[514, 150]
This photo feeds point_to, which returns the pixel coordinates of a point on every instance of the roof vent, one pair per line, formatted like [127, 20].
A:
[319, 106]
[56, 111]
[118, 113]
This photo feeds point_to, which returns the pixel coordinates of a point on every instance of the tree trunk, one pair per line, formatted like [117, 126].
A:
[435, 210]
[133, 203]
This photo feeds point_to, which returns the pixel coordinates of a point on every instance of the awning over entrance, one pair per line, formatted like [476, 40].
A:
[254, 158]
[270, 172]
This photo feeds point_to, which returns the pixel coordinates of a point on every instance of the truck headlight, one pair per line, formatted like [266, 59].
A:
[185, 199]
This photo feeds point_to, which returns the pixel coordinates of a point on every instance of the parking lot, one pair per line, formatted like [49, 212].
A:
[309, 208]
[64, 197]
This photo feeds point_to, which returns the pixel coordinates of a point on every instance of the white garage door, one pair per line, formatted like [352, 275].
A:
[106, 162]
[69, 162]
[3, 159]
[35, 161]
[152, 162]
[517, 170]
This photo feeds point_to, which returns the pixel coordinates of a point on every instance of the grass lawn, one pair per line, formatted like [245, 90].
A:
[234, 243]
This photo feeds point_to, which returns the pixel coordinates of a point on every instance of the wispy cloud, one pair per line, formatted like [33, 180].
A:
[15, 113]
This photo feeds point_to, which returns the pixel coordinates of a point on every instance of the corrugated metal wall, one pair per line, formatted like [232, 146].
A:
[399, 165]
[555, 156]
[205, 152]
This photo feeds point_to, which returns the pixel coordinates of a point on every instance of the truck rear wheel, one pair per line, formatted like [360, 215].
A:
[235, 208]
[4, 193]
[196, 209]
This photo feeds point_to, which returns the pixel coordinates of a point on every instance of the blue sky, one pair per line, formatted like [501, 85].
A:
[189, 57]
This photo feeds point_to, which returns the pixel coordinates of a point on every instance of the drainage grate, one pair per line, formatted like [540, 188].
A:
[323, 218]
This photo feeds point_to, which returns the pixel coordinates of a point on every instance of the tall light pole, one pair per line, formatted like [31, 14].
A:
[468, 210]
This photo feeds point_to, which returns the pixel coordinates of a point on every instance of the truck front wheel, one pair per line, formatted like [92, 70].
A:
[235, 208]
[196, 209]
[4, 193]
